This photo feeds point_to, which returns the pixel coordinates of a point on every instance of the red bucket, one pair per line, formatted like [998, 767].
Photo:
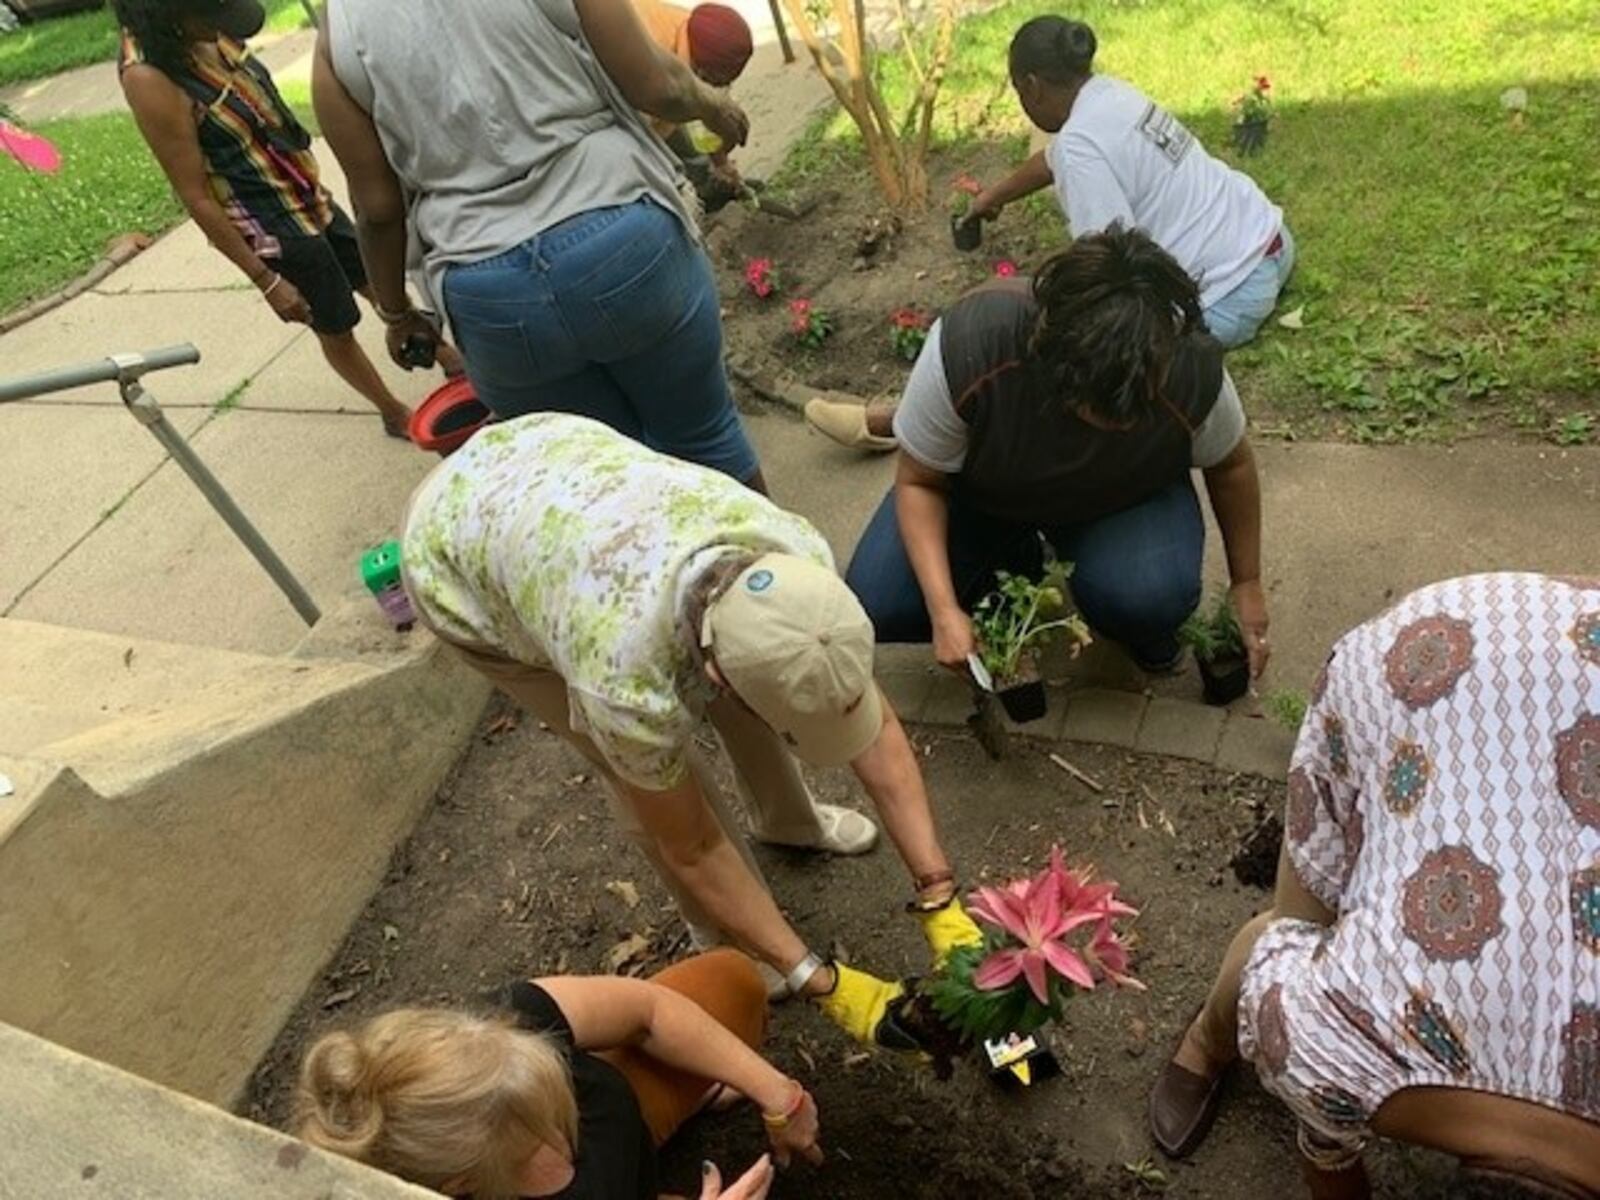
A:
[448, 417]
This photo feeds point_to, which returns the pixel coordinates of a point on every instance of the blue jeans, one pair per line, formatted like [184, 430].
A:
[1236, 318]
[612, 314]
[1136, 574]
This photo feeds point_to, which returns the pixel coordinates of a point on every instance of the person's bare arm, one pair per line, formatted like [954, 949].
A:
[165, 118]
[652, 80]
[922, 506]
[1235, 491]
[375, 195]
[1030, 177]
[610, 1013]
[888, 770]
[694, 848]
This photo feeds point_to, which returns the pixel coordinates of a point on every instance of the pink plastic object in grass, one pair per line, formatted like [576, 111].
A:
[32, 151]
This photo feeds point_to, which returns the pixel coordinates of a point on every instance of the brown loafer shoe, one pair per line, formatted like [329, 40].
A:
[1182, 1107]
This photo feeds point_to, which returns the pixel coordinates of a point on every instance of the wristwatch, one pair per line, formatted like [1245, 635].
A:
[797, 979]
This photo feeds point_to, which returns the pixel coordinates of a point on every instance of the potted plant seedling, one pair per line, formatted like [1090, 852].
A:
[965, 229]
[1012, 624]
[1218, 647]
[1255, 113]
[1045, 938]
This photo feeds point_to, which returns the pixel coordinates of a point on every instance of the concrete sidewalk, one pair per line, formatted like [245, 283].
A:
[102, 533]
[85, 91]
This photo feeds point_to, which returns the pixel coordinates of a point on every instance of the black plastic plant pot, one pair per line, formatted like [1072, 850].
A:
[1024, 702]
[1224, 680]
[966, 232]
[1250, 136]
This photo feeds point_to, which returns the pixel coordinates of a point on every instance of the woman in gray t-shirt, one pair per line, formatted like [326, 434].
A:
[548, 215]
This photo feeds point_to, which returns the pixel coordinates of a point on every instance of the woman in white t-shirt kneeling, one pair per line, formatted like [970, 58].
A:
[1117, 155]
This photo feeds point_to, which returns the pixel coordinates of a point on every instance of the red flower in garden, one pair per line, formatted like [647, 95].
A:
[1005, 268]
[760, 278]
[800, 314]
[1263, 84]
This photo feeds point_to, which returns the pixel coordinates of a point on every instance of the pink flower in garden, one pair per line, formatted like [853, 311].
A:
[966, 183]
[1005, 268]
[1039, 912]
[1110, 953]
[800, 314]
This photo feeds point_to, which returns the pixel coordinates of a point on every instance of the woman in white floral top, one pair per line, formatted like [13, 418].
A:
[624, 597]
[1430, 969]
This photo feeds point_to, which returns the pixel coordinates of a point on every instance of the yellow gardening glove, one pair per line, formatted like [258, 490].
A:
[947, 928]
[858, 1002]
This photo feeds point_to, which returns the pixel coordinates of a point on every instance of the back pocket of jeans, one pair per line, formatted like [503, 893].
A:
[644, 289]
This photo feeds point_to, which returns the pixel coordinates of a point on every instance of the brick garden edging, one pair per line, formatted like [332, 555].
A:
[1227, 739]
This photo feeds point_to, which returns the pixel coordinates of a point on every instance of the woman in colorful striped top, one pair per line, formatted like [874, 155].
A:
[242, 165]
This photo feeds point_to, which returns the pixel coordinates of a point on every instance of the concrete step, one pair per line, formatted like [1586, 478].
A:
[56, 682]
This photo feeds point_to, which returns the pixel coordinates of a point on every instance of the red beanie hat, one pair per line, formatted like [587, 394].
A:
[719, 43]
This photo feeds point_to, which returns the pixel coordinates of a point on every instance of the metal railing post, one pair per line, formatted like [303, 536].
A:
[126, 371]
[148, 413]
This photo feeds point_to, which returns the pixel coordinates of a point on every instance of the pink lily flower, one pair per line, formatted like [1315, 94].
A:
[1039, 912]
[1110, 954]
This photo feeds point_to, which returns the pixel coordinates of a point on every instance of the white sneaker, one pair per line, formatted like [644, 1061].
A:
[843, 831]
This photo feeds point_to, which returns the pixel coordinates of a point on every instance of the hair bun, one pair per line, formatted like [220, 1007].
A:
[1077, 43]
[338, 1109]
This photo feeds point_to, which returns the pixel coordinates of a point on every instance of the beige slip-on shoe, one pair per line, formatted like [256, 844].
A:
[846, 424]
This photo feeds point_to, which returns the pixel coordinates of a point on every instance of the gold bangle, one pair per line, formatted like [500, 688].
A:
[781, 1120]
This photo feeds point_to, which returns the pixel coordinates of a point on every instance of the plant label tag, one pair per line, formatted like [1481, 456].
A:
[980, 673]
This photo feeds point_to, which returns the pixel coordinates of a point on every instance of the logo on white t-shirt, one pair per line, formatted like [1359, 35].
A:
[1166, 133]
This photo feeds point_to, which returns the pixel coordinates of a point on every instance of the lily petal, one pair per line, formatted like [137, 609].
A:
[1067, 964]
[999, 969]
[1033, 967]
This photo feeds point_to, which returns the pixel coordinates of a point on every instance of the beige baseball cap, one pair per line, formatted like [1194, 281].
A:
[795, 644]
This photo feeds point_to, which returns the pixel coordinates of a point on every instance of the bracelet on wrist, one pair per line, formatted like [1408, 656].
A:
[780, 1120]
[273, 286]
[393, 318]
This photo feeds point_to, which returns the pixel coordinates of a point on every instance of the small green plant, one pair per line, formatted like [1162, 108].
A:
[1019, 616]
[235, 394]
[1287, 706]
[1213, 635]
[963, 190]
[1573, 430]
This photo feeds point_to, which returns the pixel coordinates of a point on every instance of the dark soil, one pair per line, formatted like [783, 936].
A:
[859, 264]
[507, 876]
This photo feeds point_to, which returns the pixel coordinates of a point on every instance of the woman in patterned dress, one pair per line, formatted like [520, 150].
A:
[1430, 968]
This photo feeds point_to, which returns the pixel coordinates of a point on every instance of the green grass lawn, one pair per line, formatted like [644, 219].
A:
[108, 185]
[1449, 253]
[43, 49]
